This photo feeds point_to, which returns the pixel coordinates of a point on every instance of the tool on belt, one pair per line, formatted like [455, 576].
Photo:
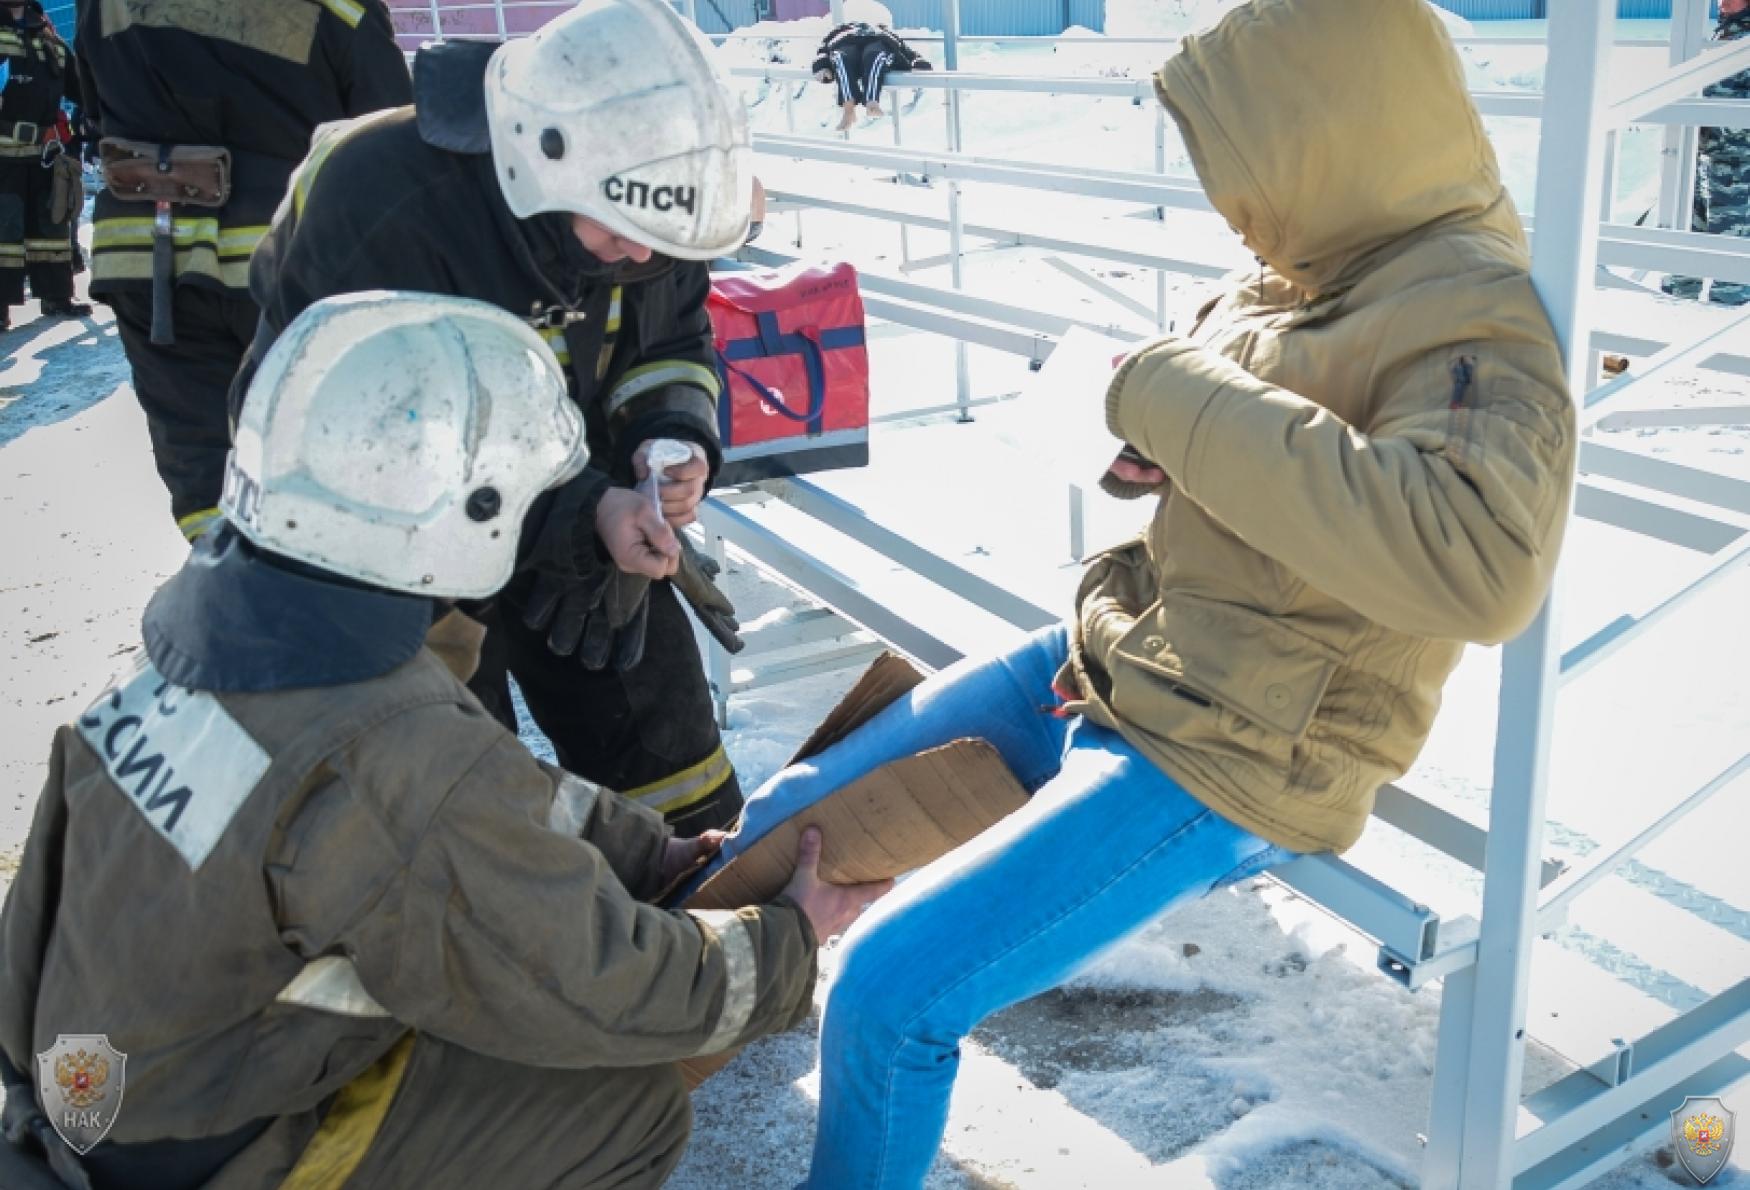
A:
[66, 182]
[166, 176]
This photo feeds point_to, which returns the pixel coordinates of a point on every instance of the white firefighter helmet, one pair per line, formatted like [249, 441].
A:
[399, 439]
[617, 111]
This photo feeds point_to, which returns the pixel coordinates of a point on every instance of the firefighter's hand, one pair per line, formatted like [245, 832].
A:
[679, 855]
[639, 541]
[683, 484]
[831, 908]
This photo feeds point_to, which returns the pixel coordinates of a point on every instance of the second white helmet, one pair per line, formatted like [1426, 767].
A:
[617, 111]
[399, 439]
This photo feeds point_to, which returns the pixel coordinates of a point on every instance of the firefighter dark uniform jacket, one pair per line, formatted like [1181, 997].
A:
[253, 76]
[39, 74]
[408, 199]
[289, 837]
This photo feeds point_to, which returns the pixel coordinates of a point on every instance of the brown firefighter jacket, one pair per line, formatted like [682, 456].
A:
[254, 895]
[1369, 443]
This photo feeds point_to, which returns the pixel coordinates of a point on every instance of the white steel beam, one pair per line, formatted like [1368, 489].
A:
[951, 80]
[1110, 292]
[1697, 1039]
[1012, 235]
[1399, 924]
[1625, 628]
[1674, 356]
[1147, 189]
[1685, 78]
[1689, 21]
[1663, 250]
[1569, 176]
[1664, 418]
[1577, 882]
[1662, 475]
[1614, 504]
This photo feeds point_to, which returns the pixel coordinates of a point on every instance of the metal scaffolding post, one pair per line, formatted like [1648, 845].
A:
[1480, 1112]
[956, 226]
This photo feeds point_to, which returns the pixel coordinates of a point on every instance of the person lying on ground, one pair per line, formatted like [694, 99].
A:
[343, 927]
[1362, 455]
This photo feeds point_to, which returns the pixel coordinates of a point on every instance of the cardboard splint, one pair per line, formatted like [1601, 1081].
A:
[892, 821]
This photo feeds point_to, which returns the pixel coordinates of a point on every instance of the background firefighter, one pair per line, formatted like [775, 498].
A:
[254, 77]
[34, 237]
[579, 179]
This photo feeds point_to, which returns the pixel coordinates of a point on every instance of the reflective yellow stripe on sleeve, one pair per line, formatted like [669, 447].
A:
[686, 787]
[351, 1124]
[328, 138]
[648, 377]
[611, 337]
[346, 10]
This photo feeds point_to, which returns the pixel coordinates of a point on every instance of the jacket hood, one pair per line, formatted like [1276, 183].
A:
[1323, 130]
[234, 619]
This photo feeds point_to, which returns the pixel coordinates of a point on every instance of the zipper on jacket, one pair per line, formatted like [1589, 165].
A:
[1463, 372]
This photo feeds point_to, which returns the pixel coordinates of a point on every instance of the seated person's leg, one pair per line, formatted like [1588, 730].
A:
[1005, 700]
[877, 61]
[1100, 850]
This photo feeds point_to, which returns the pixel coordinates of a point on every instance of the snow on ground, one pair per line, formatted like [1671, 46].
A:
[1244, 1043]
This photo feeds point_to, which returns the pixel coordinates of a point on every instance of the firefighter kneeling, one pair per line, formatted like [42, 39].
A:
[330, 921]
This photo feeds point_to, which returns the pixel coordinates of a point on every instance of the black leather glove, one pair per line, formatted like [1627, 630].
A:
[600, 619]
[715, 612]
[558, 537]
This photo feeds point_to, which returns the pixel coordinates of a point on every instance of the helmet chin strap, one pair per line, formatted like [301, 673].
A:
[628, 272]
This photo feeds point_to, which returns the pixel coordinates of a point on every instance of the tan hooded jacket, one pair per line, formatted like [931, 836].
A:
[256, 895]
[1369, 442]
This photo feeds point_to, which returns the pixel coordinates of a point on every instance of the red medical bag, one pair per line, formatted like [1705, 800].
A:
[795, 370]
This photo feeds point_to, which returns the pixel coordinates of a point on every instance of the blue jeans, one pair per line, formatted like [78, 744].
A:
[1105, 845]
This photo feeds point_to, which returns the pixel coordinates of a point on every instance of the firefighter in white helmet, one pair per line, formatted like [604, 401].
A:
[579, 179]
[343, 927]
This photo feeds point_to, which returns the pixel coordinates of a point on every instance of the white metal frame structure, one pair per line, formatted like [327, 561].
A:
[1588, 1119]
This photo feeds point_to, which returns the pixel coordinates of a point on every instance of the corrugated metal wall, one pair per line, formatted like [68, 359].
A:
[63, 15]
[1524, 10]
[1494, 10]
[724, 16]
[1002, 18]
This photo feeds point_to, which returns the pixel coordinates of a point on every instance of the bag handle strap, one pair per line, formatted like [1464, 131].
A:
[814, 364]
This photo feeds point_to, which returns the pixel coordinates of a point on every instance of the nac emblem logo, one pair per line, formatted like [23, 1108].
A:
[79, 1083]
[1702, 1134]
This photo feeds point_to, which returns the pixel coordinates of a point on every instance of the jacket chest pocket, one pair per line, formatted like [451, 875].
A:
[1221, 656]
